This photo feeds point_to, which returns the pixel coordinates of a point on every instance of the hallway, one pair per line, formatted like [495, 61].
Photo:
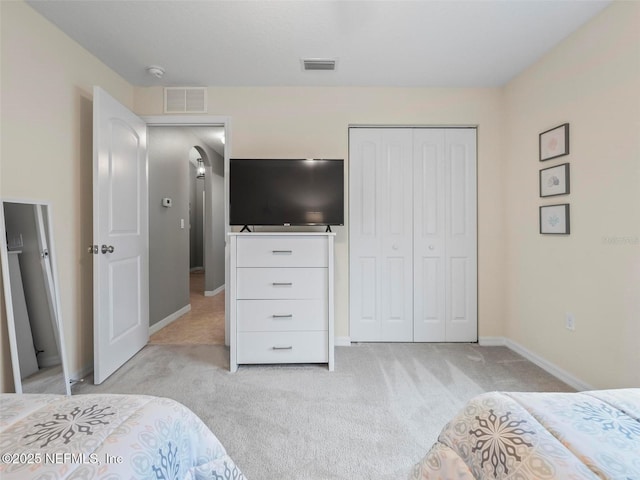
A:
[203, 325]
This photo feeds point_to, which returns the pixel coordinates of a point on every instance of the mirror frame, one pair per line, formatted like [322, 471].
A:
[6, 283]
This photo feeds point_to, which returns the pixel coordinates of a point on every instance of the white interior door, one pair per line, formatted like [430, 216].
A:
[445, 253]
[46, 245]
[461, 236]
[429, 238]
[47, 271]
[120, 232]
[380, 233]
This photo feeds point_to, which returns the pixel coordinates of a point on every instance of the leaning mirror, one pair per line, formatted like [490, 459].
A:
[32, 300]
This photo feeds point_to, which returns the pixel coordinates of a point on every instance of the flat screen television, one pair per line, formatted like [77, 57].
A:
[286, 192]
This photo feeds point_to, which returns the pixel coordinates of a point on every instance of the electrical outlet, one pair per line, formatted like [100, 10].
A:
[570, 321]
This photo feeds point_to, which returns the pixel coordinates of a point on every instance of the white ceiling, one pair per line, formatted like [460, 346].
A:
[476, 43]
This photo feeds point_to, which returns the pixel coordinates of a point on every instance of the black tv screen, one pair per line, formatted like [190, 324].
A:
[286, 192]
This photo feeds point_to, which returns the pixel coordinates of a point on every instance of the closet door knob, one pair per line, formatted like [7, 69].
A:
[431, 247]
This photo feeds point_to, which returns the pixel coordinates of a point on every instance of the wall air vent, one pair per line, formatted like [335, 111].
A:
[185, 100]
[318, 64]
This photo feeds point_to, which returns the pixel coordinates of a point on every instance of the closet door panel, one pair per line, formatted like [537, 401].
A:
[429, 235]
[429, 301]
[395, 193]
[458, 188]
[458, 289]
[367, 169]
[367, 272]
[462, 297]
[394, 321]
[380, 226]
[365, 146]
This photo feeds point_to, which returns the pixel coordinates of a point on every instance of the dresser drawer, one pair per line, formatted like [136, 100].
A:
[281, 315]
[281, 283]
[282, 251]
[283, 347]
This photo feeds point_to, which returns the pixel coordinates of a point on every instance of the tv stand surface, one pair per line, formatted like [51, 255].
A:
[281, 298]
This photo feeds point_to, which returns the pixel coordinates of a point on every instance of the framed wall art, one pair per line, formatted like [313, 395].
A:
[554, 143]
[554, 180]
[554, 219]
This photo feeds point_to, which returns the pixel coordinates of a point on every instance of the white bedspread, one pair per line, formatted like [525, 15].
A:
[107, 437]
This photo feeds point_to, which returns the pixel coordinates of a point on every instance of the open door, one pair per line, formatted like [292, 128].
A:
[43, 246]
[120, 233]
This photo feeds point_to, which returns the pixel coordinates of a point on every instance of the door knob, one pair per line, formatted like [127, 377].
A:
[395, 247]
[108, 249]
[431, 247]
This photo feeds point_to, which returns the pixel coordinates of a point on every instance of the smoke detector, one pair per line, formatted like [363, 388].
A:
[155, 70]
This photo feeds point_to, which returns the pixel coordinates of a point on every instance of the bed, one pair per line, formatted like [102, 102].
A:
[107, 437]
[587, 435]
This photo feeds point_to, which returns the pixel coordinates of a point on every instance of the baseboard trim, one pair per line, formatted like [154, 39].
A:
[168, 320]
[211, 293]
[544, 364]
[342, 341]
[491, 341]
[551, 368]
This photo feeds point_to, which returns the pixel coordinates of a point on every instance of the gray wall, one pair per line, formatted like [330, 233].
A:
[169, 245]
[168, 242]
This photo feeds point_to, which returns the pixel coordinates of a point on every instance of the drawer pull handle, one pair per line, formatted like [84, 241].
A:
[282, 252]
[283, 348]
[288, 315]
[282, 284]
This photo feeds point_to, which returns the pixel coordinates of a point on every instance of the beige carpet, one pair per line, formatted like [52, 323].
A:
[373, 418]
[203, 325]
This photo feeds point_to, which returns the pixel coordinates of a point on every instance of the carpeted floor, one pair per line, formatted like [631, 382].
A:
[373, 418]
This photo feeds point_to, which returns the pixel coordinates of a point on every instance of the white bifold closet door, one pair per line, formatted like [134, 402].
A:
[381, 218]
[413, 234]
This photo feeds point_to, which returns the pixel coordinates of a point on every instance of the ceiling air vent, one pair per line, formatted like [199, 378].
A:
[185, 100]
[318, 64]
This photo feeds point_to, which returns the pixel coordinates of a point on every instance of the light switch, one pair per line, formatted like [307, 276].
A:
[182, 223]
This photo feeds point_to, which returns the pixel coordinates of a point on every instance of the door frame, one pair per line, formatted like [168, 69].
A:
[203, 121]
[477, 206]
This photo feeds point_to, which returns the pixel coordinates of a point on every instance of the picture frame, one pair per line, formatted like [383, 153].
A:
[554, 181]
[554, 143]
[554, 219]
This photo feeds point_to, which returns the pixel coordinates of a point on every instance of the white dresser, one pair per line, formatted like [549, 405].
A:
[281, 298]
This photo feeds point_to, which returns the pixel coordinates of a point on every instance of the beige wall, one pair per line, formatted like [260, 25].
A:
[526, 281]
[313, 122]
[46, 152]
[592, 81]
